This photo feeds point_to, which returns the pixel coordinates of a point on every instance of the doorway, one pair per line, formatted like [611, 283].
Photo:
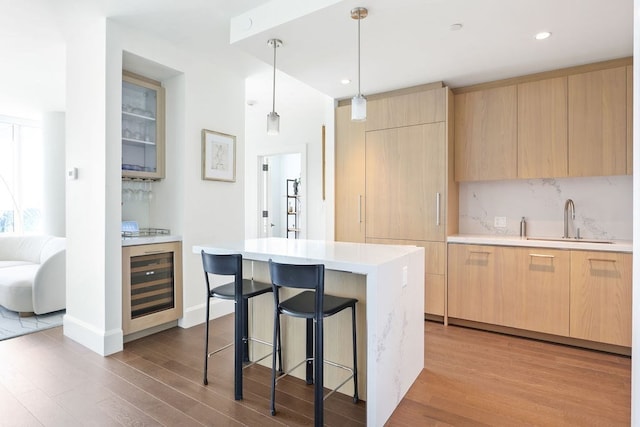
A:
[277, 213]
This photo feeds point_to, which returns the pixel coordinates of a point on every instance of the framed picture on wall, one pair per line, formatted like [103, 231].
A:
[218, 156]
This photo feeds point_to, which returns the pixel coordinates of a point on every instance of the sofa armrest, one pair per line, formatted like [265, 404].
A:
[49, 285]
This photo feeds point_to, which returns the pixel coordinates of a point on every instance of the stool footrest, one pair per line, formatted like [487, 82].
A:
[328, 362]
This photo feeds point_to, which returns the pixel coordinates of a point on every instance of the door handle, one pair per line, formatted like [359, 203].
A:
[437, 208]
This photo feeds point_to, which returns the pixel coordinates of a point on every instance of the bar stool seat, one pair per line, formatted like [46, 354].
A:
[231, 265]
[313, 305]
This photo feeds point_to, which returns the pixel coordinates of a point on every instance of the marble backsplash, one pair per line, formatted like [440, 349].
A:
[603, 206]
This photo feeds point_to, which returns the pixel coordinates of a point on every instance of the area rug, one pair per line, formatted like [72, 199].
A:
[12, 325]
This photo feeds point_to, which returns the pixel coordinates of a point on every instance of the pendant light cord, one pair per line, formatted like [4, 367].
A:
[359, 19]
[275, 46]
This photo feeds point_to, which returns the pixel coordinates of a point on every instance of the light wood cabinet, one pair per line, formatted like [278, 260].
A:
[474, 283]
[597, 123]
[540, 290]
[486, 134]
[542, 128]
[151, 285]
[601, 297]
[350, 177]
[406, 110]
[405, 171]
[405, 164]
[143, 129]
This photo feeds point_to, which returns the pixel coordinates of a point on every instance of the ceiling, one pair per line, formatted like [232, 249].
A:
[404, 42]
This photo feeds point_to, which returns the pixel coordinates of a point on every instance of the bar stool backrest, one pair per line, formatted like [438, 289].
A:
[223, 265]
[299, 276]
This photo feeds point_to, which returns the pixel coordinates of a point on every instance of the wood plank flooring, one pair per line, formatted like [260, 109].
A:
[470, 378]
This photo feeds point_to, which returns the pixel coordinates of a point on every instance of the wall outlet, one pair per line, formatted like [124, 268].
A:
[500, 222]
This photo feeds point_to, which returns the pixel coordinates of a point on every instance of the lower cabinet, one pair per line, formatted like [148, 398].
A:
[540, 290]
[151, 285]
[569, 293]
[601, 297]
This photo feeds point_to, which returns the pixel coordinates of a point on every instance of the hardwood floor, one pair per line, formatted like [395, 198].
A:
[470, 378]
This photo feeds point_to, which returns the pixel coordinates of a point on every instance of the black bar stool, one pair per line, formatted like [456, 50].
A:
[314, 305]
[231, 265]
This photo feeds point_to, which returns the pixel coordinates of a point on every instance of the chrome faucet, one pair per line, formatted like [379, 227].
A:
[568, 205]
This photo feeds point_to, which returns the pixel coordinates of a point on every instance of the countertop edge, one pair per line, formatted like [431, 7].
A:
[477, 239]
[149, 240]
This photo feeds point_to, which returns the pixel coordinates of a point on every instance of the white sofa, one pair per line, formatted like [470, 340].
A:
[32, 273]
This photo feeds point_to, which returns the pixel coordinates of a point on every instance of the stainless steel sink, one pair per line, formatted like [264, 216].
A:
[571, 240]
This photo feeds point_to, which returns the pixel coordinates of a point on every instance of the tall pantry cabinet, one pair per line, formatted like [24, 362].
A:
[394, 179]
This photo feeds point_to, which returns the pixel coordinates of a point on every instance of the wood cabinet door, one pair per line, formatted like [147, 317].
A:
[601, 297]
[349, 177]
[405, 183]
[598, 123]
[407, 110]
[486, 134]
[474, 285]
[541, 285]
[542, 128]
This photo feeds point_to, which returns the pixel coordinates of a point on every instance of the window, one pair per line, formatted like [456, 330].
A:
[21, 177]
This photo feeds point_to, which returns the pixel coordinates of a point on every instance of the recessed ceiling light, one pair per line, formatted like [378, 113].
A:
[455, 27]
[345, 81]
[543, 35]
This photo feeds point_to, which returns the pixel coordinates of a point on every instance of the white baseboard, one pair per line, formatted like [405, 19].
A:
[102, 342]
[195, 315]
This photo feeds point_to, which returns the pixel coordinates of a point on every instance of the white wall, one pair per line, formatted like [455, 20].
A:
[202, 95]
[53, 141]
[302, 111]
[603, 206]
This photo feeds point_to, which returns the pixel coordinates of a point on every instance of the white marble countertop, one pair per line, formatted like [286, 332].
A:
[149, 240]
[544, 242]
[342, 256]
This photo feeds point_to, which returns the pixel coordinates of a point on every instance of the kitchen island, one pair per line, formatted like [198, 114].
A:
[388, 281]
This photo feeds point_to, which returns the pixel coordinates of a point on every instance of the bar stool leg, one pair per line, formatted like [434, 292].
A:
[318, 362]
[238, 346]
[309, 353]
[355, 355]
[206, 342]
[276, 339]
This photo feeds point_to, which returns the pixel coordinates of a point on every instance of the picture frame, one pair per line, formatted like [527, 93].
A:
[218, 156]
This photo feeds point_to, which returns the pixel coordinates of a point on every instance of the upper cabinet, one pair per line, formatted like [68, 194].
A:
[542, 128]
[598, 123]
[406, 110]
[571, 122]
[485, 134]
[143, 144]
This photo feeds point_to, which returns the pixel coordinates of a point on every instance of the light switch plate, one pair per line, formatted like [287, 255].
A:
[500, 222]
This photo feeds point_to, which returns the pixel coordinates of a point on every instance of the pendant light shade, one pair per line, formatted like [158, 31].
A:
[273, 119]
[359, 102]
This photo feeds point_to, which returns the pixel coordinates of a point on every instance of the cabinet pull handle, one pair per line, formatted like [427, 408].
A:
[360, 208]
[437, 208]
[601, 260]
[150, 273]
[480, 252]
[154, 252]
[541, 256]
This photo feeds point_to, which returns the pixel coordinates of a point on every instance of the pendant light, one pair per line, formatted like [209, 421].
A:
[273, 119]
[359, 102]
